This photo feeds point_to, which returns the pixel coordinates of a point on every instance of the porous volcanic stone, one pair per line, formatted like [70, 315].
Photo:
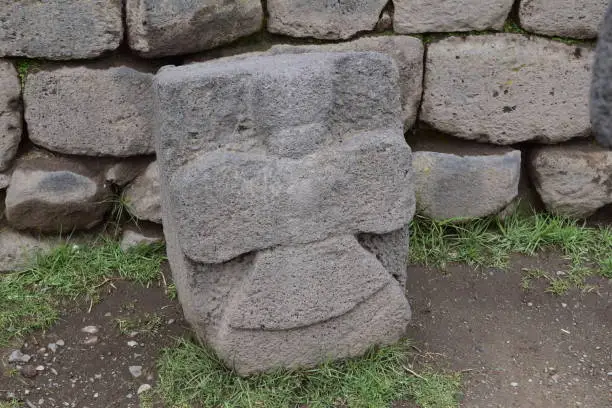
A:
[10, 114]
[406, 51]
[160, 28]
[601, 86]
[18, 248]
[55, 195]
[93, 112]
[286, 193]
[59, 29]
[573, 180]
[507, 88]
[465, 186]
[564, 18]
[323, 19]
[427, 16]
[142, 196]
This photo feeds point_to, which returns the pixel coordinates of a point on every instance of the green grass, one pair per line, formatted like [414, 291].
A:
[489, 242]
[30, 299]
[24, 67]
[190, 374]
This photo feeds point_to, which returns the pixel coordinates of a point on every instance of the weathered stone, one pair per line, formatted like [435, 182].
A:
[59, 29]
[316, 194]
[123, 172]
[55, 195]
[538, 89]
[601, 85]
[141, 234]
[142, 195]
[574, 179]
[407, 52]
[565, 18]
[5, 180]
[17, 249]
[10, 114]
[267, 196]
[427, 16]
[322, 19]
[470, 182]
[160, 28]
[93, 112]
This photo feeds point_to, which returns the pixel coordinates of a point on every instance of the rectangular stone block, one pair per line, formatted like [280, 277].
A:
[59, 29]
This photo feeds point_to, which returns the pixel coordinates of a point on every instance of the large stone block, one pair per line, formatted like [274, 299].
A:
[17, 249]
[10, 114]
[159, 28]
[286, 193]
[601, 85]
[323, 19]
[90, 111]
[565, 18]
[55, 195]
[427, 16]
[507, 88]
[574, 179]
[406, 51]
[142, 196]
[59, 29]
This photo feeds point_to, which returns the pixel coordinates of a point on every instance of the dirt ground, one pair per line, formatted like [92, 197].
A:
[516, 348]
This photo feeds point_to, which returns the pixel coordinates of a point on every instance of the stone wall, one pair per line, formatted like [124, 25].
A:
[494, 99]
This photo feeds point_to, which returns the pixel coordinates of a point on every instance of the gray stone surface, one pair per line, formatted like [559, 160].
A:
[323, 19]
[285, 203]
[406, 51]
[142, 196]
[93, 112]
[59, 29]
[574, 179]
[10, 113]
[601, 85]
[17, 248]
[564, 18]
[55, 195]
[141, 235]
[465, 186]
[316, 194]
[430, 16]
[122, 172]
[507, 88]
[160, 28]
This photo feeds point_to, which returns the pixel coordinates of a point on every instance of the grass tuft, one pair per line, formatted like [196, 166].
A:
[24, 67]
[489, 242]
[30, 299]
[190, 374]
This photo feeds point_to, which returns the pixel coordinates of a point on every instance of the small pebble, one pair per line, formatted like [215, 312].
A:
[28, 371]
[133, 334]
[514, 384]
[143, 388]
[40, 368]
[91, 340]
[610, 373]
[18, 357]
[107, 314]
[54, 371]
[170, 321]
[132, 343]
[60, 343]
[136, 371]
[52, 346]
[90, 329]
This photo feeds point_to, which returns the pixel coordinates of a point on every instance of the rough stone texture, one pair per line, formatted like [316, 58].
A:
[93, 112]
[267, 197]
[507, 88]
[17, 248]
[564, 18]
[427, 16]
[143, 195]
[10, 114]
[601, 86]
[123, 172]
[134, 235]
[407, 52]
[574, 179]
[160, 28]
[323, 19]
[55, 195]
[59, 29]
[5, 180]
[466, 186]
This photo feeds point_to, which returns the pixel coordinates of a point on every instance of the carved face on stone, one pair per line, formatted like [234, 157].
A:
[601, 88]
